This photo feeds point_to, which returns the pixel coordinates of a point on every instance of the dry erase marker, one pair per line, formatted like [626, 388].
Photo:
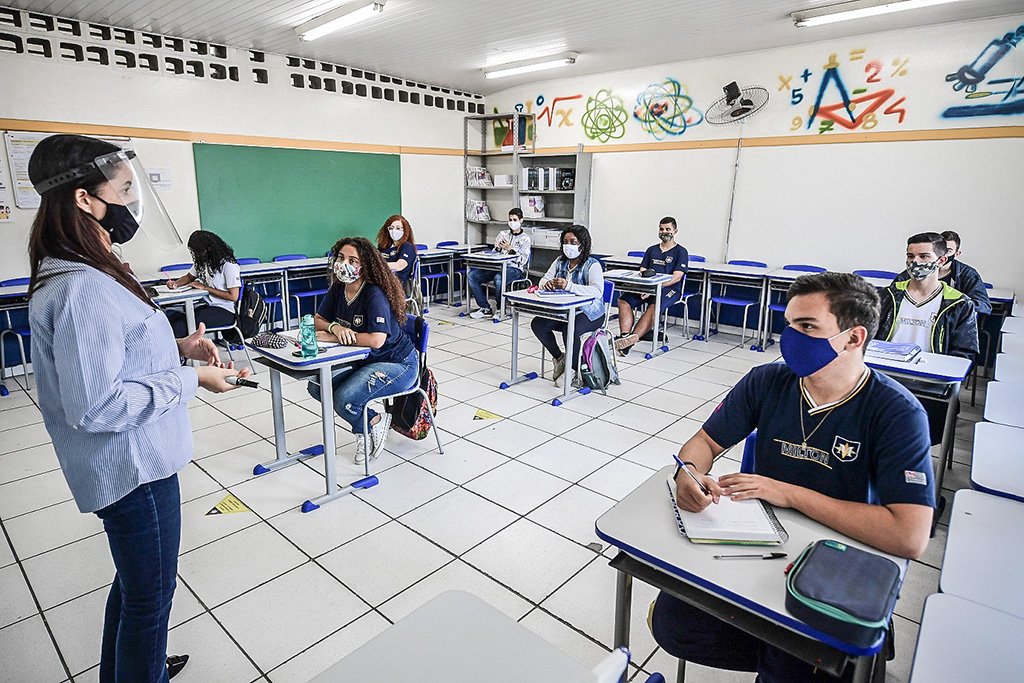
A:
[241, 382]
[686, 469]
[757, 556]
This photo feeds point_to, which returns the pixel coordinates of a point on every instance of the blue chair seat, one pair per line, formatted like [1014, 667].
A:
[20, 330]
[781, 308]
[733, 301]
[319, 291]
[635, 254]
[886, 274]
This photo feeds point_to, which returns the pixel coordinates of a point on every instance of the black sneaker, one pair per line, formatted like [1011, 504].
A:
[175, 663]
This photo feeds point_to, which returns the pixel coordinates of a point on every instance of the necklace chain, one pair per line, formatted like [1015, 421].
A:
[800, 410]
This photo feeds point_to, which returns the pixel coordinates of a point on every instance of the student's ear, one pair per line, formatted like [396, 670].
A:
[83, 201]
[858, 337]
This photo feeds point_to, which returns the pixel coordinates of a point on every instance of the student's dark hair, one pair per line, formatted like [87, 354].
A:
[209, 253]
[62, 230]
[516, 211]
[374, 270]
[850, 298]
[583, 235]
[384, 240]
[668, 219]
[938, 241]
[951, 236]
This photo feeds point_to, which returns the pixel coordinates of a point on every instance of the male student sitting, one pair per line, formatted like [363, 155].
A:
[511, 241]
[667, 258]
[926, 311]
[959, 275]
[837, 441]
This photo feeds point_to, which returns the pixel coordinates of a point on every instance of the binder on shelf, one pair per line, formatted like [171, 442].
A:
[532, 206]
[477, 176]
[476, 210]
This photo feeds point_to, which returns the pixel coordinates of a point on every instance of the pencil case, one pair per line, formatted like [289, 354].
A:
[843, 591]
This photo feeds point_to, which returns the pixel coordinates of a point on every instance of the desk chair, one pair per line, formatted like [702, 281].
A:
[446, 243]
[248, 261]
[459, 274]
[521, 283]
[738, 301]
[310, 293]
[780, 307]
[175, 266]
[415, 280]
[636, 254]
[21, 332]
[887, 274]
[609, 299]
[682, 309]
[434, 274]
[418, 330]
[421, 247]
[231, 346]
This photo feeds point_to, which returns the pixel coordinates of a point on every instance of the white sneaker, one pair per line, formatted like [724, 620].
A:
[361, 449]
[481, 313]
[558, 370]
[379, 434]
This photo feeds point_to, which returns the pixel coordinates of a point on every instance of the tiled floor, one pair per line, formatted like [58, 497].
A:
[507, 513]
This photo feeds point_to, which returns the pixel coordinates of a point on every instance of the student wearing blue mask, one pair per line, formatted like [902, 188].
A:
[365, 306]
[837, 441]
[666, 258]
[580, 273]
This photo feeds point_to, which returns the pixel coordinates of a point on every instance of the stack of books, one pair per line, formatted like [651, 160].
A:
[892, 350]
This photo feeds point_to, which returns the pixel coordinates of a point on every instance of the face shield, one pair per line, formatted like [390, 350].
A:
[129, 196]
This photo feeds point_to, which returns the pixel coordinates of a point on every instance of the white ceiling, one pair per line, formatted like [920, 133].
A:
[447, 42]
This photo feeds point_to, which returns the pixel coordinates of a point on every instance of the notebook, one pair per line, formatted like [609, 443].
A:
[893, 350]
[731, 522]
[553, 292]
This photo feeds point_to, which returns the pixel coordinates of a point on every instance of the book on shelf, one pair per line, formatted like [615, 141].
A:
[531, 178]
[566, 179]
[477, 176]
[892, 350]
[476, 210]
[532, 206]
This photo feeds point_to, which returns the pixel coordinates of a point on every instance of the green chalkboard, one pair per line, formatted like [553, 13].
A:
[266, 201]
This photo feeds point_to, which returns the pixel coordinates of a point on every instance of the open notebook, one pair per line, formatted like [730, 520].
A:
[744, 522]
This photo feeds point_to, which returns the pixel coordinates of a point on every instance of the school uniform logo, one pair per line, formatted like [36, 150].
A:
[357, 320]
[845, 450]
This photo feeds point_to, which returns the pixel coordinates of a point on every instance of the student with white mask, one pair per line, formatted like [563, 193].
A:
[576, 271]
[398, 247]
[512, 241]
[112, 390]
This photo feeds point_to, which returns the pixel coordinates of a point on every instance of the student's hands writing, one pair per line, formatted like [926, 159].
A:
[197, 347]
[555, 283]
[689, 497]
[746, 486]
[199, 284]
[172, 284]
[212, 378]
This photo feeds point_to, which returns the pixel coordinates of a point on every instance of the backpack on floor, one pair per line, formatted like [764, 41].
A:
[598, 369]
[410, 414]
[252, 312]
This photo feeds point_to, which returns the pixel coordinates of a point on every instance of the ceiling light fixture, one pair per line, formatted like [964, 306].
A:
[528, 65]
[858, 9]
[338, 18]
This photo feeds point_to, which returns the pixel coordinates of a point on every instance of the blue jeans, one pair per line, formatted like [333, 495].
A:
[144, 532]
[355, 386]
[478, 277]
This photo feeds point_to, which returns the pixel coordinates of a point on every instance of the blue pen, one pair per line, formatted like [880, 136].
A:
[696, 481]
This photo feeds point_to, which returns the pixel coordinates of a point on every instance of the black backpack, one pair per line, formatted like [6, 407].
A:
[252, 312]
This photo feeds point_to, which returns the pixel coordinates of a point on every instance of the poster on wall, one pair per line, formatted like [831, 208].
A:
[20, 146]
[5, 199]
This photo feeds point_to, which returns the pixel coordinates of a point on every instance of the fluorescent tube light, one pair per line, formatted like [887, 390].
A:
[337, 19]
[529, 65]
[858, 9]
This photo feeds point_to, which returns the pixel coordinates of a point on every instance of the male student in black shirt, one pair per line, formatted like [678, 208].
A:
[959, 275]
[667, 258]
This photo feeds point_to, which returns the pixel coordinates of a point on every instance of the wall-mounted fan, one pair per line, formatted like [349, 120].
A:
[737, 104]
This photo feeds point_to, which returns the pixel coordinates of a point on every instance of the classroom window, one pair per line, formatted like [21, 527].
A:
[414, 98]
[326, 66]
[176, 44]
[152, 40]
[439, 102]
[376, 92]
[97, 55]
[195, 68]
[341, 70]
[149, 61]
[428, 100]
[218, 72]
[435, 88]
[330, 85]
[11, 43]
[356, 73]
[124, 35]
[69, 26]
[173, 65]
[403, 96]
[308, 63]
[385, 79]
[38, 46]
[124, 58]
[72, 51]
[219, 51]
[360, 90]
[369, 75]
[450, 104]
[389, 94]
[257, 56]
[260, 76]
[347, 88]
[461, 105]
[293, 61]
[315, 82]
[10, 17]
[198, 47]
[40, 22]
[298, 81]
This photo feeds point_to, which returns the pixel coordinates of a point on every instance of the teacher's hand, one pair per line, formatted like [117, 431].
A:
[212, 378]
[197, 347]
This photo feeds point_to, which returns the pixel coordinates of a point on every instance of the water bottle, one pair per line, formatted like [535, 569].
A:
[307, 337]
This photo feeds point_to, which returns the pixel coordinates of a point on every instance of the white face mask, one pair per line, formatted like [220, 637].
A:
[396, 233]
[516, 226]
[571, 251]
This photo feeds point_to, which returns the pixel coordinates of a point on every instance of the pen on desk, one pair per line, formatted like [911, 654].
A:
[756, 556]
[683, 466]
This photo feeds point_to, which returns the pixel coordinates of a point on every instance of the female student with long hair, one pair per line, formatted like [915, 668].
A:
[365, 306]
[112, 389]
[398, 246]
[215, 270]
[575, 270]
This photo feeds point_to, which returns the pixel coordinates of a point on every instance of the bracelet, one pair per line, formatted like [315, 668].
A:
[331, 327]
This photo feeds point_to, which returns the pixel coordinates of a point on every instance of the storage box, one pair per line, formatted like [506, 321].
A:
[502, 180]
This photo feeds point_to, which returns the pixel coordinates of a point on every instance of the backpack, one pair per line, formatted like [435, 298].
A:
[409, 413]
[598, 369]
[252, 312]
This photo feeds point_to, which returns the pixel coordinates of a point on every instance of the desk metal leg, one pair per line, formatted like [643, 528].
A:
[623, 606]
[705, 310]
[451, 279]
[283, 459]
[762, 309]
[190, 319]
[946, 445]
[286, 311]
[658, 327]
[504, 288]
[466, 294]
[570, 338]
[514, 377]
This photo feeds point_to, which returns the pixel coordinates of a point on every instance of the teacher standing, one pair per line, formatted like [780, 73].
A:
[112, 389]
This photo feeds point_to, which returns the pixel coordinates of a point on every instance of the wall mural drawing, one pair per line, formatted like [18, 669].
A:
[605, 117]
[665, 108]
[1007, 92]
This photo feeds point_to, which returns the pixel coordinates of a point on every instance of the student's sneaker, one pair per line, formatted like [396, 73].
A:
[361, 449]
[481, 313]
[379, 435]
[558, 370]
[625, 342]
